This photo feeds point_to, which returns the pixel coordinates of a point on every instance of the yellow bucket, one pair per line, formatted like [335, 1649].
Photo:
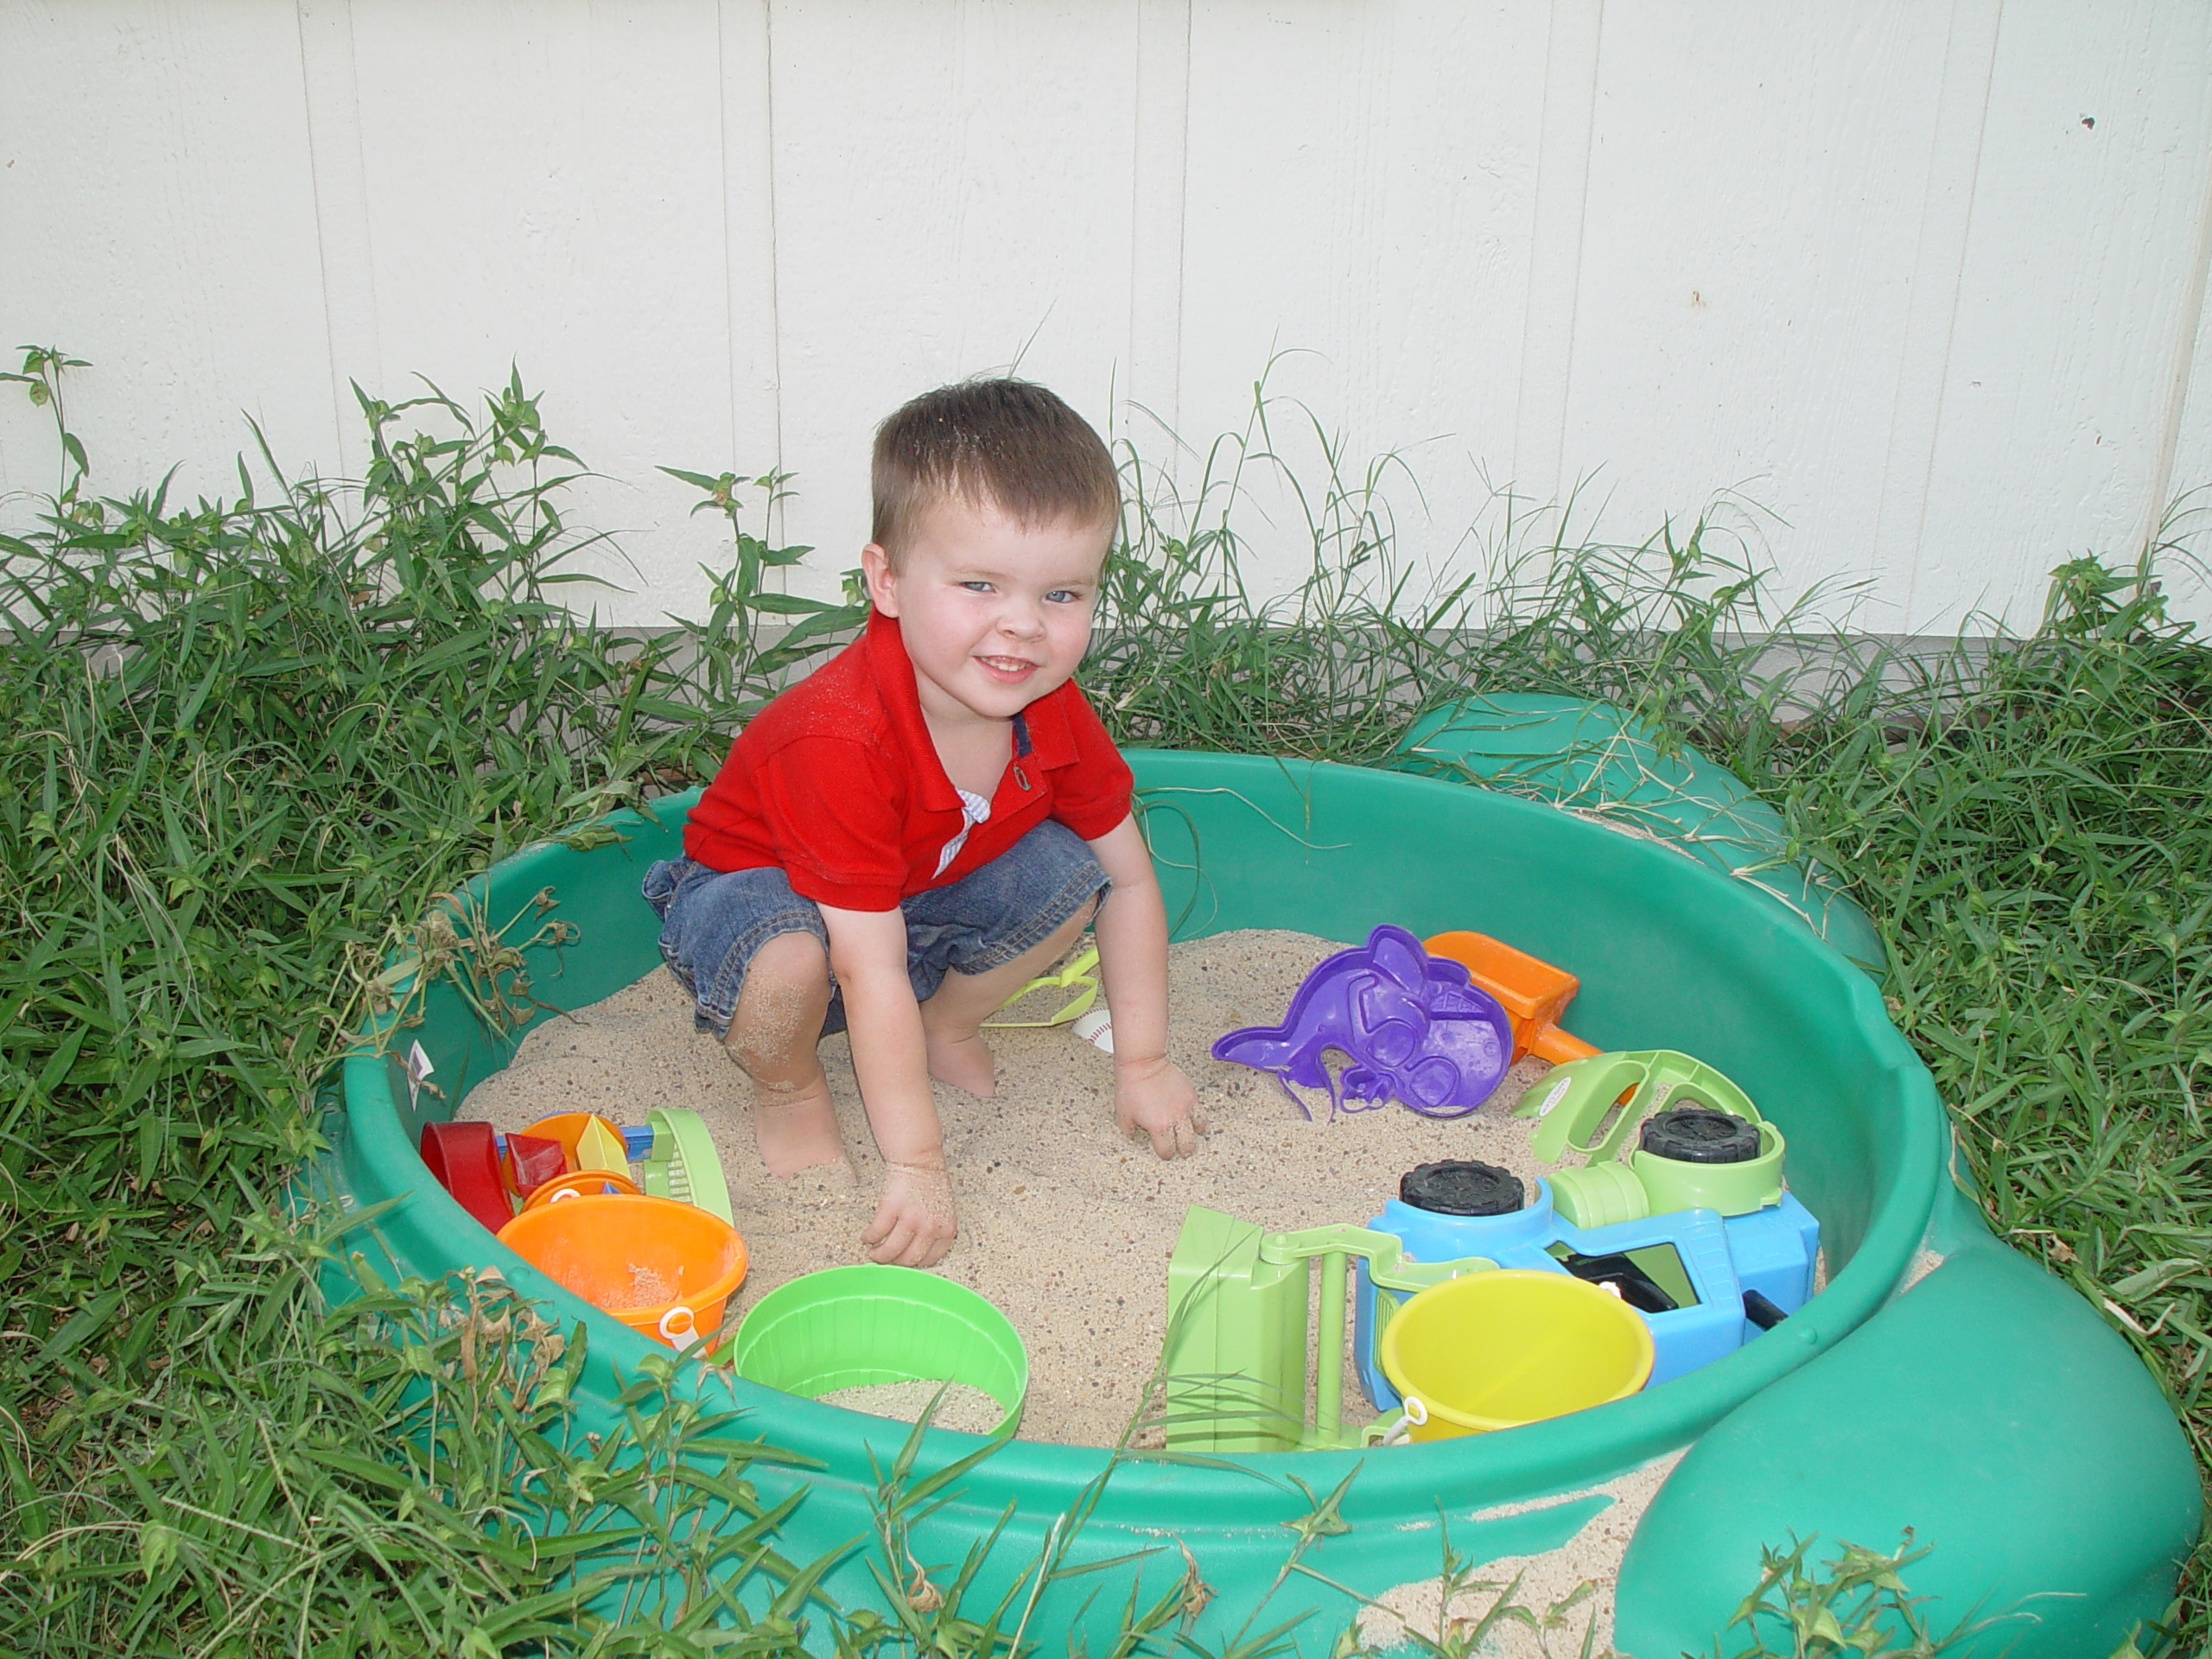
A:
[1494, 1349]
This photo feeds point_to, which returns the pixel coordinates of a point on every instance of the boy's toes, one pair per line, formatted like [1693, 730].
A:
[825, 1185]
[797, 1135]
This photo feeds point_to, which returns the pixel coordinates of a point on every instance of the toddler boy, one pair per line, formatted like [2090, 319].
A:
[899, 841]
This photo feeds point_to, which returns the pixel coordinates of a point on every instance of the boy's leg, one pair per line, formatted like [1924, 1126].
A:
[773, 1035]
[753, 955]
[974, 944]
[952, 1019]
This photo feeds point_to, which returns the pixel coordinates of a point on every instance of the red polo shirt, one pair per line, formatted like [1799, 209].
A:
[837, 784]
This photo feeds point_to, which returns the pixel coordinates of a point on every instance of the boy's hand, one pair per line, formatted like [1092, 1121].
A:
[914, 1224]
[1152, 1097]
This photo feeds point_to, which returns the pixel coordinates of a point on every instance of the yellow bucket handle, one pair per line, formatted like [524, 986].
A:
[1411, 1418]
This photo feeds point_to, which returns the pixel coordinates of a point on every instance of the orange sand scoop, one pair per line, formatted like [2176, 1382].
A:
[1534, 994]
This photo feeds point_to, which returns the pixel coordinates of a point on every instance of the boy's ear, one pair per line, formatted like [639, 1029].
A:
[881, 582]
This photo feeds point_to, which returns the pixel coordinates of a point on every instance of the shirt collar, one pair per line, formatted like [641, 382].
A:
[893, 673]
[1051, 740]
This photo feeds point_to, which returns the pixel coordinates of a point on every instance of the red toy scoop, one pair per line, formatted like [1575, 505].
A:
[466, 1164]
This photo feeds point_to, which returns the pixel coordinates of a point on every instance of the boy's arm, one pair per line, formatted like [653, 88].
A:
[1150, 1091]
[914, 1223]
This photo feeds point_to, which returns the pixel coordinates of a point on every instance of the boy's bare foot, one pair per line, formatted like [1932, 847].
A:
[825, 1183]
[952, 1019]
[798, 1133]
[963, 1062]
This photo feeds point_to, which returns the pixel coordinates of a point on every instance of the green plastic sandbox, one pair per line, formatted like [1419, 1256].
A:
[1986, 1406]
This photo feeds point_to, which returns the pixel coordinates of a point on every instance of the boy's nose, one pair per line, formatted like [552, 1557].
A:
[1021, 621]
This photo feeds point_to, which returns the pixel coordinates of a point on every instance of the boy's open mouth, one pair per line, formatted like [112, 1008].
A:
[1008, 668]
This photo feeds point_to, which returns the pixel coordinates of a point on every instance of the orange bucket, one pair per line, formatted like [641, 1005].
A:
[662, 1268]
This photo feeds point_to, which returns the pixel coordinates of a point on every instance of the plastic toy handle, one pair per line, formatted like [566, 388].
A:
[1384, 1254]
[1076, 976]
[679, 1328]
[582, 1182]
[1413, 1416]
[1400, 1431]
[683, 1153]
[1559, 1046]
[1571, 1105]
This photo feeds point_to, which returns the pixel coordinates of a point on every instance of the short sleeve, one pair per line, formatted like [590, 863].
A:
[1092, 796]
[833, 811]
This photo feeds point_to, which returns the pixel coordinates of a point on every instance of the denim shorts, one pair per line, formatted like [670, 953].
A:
[713, 921]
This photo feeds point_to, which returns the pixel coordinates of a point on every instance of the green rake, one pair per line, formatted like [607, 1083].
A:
[681, 1162]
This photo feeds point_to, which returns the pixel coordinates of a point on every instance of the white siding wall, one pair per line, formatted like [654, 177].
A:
[1925, 278]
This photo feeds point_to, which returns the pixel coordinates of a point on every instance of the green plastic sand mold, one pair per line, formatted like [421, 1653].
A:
[1940, 1381]
[1239, 1342]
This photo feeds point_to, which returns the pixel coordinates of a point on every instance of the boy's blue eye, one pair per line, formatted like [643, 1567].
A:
[1065, 596]
[977, 587]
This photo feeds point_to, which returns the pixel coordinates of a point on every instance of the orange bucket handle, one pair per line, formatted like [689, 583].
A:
[581, 1184]
[679, 1327]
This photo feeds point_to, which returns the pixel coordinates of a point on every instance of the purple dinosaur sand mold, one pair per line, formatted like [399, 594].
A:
[1413, 1025]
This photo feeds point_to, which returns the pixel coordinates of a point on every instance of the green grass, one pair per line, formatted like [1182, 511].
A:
[251, 739]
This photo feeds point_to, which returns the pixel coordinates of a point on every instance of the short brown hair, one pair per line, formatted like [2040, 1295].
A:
[1009, 444]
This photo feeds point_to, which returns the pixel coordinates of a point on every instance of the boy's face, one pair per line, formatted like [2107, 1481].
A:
[994, 614]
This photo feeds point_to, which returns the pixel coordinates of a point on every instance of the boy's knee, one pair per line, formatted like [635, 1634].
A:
[780, 1009]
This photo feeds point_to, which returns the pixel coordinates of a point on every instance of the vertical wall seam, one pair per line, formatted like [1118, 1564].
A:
[1566, 136]
[1918, 545]
[1182, 222]
[321, 247]
[775, 250]
[321, 163]
[1132, 319]
[1159, 148]
[2155, 504]
[723, 173]
[1581, 237]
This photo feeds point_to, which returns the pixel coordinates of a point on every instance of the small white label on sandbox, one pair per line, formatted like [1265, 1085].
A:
[418, 1067]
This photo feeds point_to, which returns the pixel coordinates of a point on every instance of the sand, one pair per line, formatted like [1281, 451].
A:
[967, 1409]
[1065, 1226]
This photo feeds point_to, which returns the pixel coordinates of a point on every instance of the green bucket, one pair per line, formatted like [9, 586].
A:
[855, 1327]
